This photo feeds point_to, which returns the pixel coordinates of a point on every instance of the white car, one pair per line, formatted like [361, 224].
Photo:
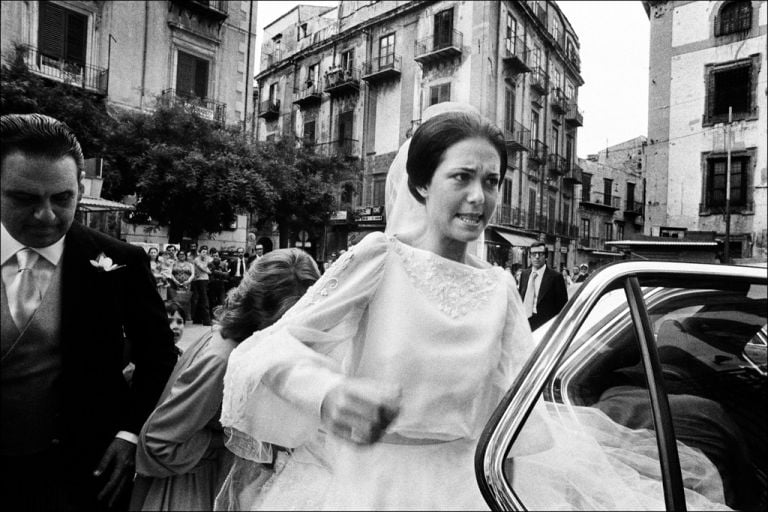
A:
[677, 350]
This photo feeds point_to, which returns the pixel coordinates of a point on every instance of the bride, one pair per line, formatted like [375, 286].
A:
[381, 378]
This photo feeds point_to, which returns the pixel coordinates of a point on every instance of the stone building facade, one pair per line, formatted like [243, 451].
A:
[707, 57]
[355, 80]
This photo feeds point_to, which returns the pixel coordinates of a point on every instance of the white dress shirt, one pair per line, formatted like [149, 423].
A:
[537, 284]
[45, 266]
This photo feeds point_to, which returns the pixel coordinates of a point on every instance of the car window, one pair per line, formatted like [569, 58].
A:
[711, 344]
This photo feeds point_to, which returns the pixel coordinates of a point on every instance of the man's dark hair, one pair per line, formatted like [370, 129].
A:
[171, 307]
[39, 136]
[541, 244]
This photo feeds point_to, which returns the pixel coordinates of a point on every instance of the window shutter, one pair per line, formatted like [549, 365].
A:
[77, 25]
[711, 94]
[185, 72]
[201, 78]
[50, 35]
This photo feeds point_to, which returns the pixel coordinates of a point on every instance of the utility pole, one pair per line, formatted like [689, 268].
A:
[727, 252]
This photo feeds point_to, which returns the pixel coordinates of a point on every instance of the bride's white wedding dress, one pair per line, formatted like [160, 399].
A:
[453, 336]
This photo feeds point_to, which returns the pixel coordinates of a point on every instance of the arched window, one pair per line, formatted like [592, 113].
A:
[733, 17]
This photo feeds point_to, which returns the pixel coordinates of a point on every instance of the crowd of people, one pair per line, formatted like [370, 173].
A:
[198, 278]
[365, 388]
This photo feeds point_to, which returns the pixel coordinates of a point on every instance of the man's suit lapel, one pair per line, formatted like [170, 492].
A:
[546, 282]
[524, 276]
[78, 280]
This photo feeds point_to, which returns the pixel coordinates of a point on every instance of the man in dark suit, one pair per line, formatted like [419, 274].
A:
[238, 266]
[71, 296]
[543, 290]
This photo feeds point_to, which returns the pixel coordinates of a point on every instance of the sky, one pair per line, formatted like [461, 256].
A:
[614, 38]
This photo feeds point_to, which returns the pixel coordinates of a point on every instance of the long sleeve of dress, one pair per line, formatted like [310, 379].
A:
[176, 435]
[276, 379]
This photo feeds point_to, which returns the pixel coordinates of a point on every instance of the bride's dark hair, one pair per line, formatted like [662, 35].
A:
[273, 284]
[433, 138]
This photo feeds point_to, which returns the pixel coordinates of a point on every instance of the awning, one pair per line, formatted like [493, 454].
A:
[515, 240]
[95, 204]
[607, 253]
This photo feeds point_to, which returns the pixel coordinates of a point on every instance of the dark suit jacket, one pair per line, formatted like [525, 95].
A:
[99, 310]
[233, 266]
[552, 293]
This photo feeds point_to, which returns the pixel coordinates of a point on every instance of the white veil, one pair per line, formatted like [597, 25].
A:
[404, 213]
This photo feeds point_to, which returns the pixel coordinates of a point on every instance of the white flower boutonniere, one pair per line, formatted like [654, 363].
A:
[104, 263]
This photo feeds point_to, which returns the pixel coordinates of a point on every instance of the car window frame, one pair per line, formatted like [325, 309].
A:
[506, 421]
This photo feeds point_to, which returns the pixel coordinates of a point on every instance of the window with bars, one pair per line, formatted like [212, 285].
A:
[608, 230]
[506, 193]
[62, 33]
[734, 16]
[439, 93]
[586, 228]
[531, 208]
[716, 180]
[387, 51]
[731, 85]
[191, 76]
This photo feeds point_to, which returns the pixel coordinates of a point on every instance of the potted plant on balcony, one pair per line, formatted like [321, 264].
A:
[334, 75]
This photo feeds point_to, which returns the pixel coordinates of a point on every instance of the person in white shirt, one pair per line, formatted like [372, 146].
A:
[72, 298]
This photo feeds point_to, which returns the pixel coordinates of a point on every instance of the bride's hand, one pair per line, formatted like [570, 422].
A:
[360, 410]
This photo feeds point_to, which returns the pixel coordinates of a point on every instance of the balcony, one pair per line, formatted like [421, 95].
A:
[90, 78]
[308, 96]
[515, 56]
[601, 201]
[386, 67]
[592, 242]
[566, 229]
[439, 47]
[211, 9]
[633, 207]
[573, 116]
[539, 80]
[519, 139]
[502, 215]
[557, 164]
[269, 110]
[340, 81]
[203, 107]
[270, 59]
[573, 174]
[538, 151]
[573, 58]
[558, 101]
[344, 148]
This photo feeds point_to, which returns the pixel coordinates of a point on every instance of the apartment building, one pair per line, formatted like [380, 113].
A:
[354, 81]
[610, 200]
[135, 53]
[706, 114]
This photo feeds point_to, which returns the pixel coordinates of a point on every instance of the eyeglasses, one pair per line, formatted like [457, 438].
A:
[541, 254]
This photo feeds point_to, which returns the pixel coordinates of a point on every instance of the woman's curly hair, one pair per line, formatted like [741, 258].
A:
[273, 284]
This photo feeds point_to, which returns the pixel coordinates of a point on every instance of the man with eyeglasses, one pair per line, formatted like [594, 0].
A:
[543, 290]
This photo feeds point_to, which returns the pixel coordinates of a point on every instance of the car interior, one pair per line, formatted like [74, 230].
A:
[717, 398]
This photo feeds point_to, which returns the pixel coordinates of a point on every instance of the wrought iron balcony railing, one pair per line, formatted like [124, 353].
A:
[342, 80]
[573, 115]
[309, 95]
[573, 174]
[538, 151]
[92, 78]
[539, 80]
[384, 67]
[439, 46]
[269, 109]
[518, 139]
[346, 148]
[635, 207]
[204, 107]
[558, 101]
[599, 199]
[557, 164]
[515, 55]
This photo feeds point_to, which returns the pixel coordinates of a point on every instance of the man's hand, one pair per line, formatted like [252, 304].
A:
[360, 410]
[118, 462]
